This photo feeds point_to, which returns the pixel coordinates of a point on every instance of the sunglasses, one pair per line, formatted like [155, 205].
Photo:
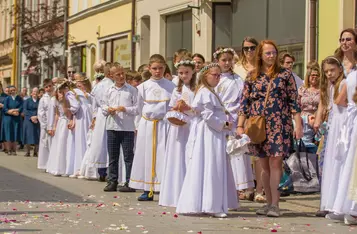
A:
[249, 48]
[347, 39]
[69, 72]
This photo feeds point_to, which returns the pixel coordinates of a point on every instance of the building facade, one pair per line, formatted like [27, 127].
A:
[201, 26]
[42, 41]
[334, 16]
[6, 43]
[99, 29]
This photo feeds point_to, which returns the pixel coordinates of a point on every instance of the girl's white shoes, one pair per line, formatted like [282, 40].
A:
[220, 215]
[350, 220]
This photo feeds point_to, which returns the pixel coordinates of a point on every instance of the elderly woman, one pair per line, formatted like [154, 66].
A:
[278, 85]
[11, 131]
[31, 133]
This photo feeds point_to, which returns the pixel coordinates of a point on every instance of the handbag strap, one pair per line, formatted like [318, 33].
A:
[300, 147]
[268, 93]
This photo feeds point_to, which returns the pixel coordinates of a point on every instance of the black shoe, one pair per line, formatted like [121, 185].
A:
[111, 187]
[126, 189]
[27, 155]
[102, 178]
[35, 154]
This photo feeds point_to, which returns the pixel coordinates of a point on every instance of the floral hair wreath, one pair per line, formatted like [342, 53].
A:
[185, 62]
[205, 68]
[221, 51]
[98, 75]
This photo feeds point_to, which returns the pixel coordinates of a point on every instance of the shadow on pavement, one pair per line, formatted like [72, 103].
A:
[17, 187]
[14, 230]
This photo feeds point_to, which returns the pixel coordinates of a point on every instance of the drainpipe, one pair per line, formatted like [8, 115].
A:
[313, 25]
[133, 44]
[65, 37]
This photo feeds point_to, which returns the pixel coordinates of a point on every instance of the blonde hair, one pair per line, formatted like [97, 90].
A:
[324, 95]
[193, 78]
[157, 58]
[311, 66]
[98, 67]
[202, 82]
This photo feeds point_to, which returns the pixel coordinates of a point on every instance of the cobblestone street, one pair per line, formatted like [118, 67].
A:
[35, 202]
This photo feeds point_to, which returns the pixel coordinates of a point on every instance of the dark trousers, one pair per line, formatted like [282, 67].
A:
[115, 140]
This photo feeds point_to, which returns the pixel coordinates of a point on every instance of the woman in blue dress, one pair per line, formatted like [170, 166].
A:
[2, 99]
[31, 126]
[11, 130]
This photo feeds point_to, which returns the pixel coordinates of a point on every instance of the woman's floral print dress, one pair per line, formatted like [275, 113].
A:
[282, 103]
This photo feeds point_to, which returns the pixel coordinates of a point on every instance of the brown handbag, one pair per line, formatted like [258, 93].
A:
[255, 126]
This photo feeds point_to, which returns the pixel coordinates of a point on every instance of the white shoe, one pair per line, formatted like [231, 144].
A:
[64, 175]
[220, 215]
[72, 176]
[350, 220]
[82, 177]
[333, 216]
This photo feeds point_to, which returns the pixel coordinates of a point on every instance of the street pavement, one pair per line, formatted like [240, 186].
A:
[32, 201]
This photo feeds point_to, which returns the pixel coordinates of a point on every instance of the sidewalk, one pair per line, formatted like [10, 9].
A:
[32, 201]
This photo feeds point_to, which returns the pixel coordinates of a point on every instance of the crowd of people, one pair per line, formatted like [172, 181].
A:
[161, 131]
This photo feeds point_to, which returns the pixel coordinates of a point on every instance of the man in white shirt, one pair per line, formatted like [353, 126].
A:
[120, 105]
[287, 61]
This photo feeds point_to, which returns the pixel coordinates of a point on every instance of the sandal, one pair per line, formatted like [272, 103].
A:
[259, 198]
[246, 195]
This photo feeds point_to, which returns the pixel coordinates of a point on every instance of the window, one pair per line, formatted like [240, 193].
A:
[79, 58]
[117, 50]
[280, 20]
[178, 34]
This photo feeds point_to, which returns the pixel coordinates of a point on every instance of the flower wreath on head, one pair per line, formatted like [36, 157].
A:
[225, 50]
[205, 68]
[185, 62]
[98, 75]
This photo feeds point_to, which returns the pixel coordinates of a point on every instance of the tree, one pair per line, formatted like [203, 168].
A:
[41, 33]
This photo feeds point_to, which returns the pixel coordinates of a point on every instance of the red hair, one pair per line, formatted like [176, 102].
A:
[273, 70]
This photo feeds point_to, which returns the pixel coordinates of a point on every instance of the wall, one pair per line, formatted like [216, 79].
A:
[334, 16]
[157, 12]
[89, 26]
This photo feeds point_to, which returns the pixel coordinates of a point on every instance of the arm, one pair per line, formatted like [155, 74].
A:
[74, 104]
[105, 104]
[26, 111]
[319, 116]
[133, 109]
[51, 114]
[294, 106]
[212, 121]
[21, 104]
[244, 108]
[341, 100]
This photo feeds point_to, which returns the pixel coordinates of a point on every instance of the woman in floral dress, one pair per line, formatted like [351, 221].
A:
[281, 106]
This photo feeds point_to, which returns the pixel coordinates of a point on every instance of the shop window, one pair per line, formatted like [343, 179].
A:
[282, 21]
[79, 58]
[117, 50]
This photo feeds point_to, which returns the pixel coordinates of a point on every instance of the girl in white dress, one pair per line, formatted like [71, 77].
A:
[209, 184]
[175, 163]
[344, 207]
[74, 107]
[331, 84]
[153, 103]
[230, 89]
[83, 120]
[57, 162]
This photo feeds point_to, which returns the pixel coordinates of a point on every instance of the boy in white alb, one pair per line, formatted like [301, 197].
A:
[153, 103]
[43, 117]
